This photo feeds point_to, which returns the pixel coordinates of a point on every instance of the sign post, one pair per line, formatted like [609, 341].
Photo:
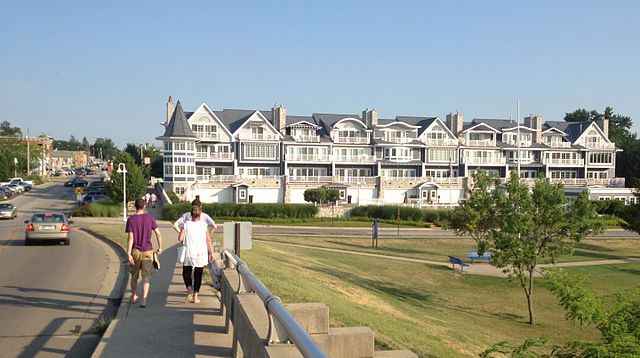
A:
[374, 234]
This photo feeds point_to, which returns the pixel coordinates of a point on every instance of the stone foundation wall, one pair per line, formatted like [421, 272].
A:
[335, 211]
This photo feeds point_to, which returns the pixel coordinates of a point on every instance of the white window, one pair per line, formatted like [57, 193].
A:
[604, 198]
[442, 155]
[242, 193]
[180, 190]
[260, 150]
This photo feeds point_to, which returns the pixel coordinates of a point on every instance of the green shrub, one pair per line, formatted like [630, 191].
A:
[437, 216]
[101, 208]
[37, 180]
[388, 212]
[174, 198]
[232, 210]
[609, 207]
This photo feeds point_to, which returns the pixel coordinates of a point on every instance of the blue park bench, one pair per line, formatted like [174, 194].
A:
[473, 255]
[456, 261]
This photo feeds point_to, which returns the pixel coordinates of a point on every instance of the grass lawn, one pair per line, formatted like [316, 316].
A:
[428, 309]
[433, 311]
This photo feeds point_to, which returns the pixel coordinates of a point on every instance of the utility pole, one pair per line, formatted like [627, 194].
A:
[28, 154]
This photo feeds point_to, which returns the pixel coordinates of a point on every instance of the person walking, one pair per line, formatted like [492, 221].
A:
[198, 252]
[154, 200]
[147, 197]
[139, 228]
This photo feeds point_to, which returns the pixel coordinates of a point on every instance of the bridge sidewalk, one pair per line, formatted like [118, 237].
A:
[167, 327]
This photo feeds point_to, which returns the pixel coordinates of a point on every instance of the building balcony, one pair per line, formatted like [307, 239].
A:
[310, 179]
[351, 140]
[216, 178]
[550, 161]
[480, 143]
[355, 159]
[600, 146]
[308, 158]
[258, 137]
[523, 161]
[484, 161]
[214, 156]
[398, 140]
[569, 181]
[207, 136]
[558, 144]
[307, 138]
[609, 182]
[441, 142]
[355, 180]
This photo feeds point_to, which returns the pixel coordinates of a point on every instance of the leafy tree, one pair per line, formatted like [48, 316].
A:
[617, 317]
[105, 149]
[157, 164]
[321, 195]
[474, 215]
[7, 130]
[136, 185]
[85, 144]
[521, 227]
[134, 151]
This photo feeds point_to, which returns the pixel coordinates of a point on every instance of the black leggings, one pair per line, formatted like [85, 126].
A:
[197, 277]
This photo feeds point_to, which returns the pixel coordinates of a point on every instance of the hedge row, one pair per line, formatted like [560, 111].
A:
[101, 208]
[609, 207]
[391, 212]
[232, 210]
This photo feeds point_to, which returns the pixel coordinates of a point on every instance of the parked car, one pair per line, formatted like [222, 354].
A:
[27, 185]
[8, 211]
[90, 198]
[17, 188]
[75, 182]
[48, 226]
[6, 193]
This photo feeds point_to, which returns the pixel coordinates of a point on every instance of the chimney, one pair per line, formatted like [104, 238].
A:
[279, 115]
[455, 122]
[370, 117]
[605, 127]
[535, 122]
[170, 108]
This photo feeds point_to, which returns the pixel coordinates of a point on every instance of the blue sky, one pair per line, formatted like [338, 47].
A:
[106, 68]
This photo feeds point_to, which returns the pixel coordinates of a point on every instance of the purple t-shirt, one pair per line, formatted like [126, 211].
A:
[142, 226]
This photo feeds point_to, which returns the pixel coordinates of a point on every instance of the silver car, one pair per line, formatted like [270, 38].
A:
[8, 211]
[47, 226]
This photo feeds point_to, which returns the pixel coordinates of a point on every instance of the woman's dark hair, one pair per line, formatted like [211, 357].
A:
[196, 201]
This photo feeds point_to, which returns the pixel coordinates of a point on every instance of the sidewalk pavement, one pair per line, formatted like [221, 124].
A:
[168, 326]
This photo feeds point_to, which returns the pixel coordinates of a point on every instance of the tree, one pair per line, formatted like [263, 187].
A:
[85, 144]
[320, 195]
[521, 227]
[134, 151]
[136, 185]
[617, 317]
[105, 149]
[474, 215]
[7, 130]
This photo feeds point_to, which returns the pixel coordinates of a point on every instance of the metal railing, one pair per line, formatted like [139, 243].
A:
[275, 310]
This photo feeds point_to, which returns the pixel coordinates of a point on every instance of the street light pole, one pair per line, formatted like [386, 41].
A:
[122, 169]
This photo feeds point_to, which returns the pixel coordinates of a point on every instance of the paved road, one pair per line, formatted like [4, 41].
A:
[51, 294]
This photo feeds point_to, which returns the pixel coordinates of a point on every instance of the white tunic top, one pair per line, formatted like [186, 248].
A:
[195, 242]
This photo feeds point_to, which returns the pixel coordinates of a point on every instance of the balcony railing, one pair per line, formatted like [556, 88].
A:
[216, 178]
[569, 181]
[355, 180]
[354, 159]
[481, 143]
[308, 157]
[307, 138]
[443, 142]
[310, 179]
[600, 145]
[558, 161]
[609, 182]
[260, 137]
[558, 144]
[351, 140]
[398, 139]
[492, 161]
[215, 156]
[205, 135]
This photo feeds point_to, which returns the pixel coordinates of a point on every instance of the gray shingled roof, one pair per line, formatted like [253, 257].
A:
[235, 118]
[498, 124]
[573, 129]
[178, 127]
[295, 119]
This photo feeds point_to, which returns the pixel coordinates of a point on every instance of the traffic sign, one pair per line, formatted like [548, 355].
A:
[79, 190]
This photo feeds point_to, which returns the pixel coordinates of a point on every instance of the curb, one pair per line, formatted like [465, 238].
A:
[115, 308]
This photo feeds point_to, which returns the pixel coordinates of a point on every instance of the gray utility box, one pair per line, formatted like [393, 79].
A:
[231, 230]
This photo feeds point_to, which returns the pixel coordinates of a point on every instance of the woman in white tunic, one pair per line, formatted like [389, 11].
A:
[198, 252]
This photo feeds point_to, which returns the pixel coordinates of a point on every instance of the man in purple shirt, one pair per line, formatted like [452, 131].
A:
[140, 249]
